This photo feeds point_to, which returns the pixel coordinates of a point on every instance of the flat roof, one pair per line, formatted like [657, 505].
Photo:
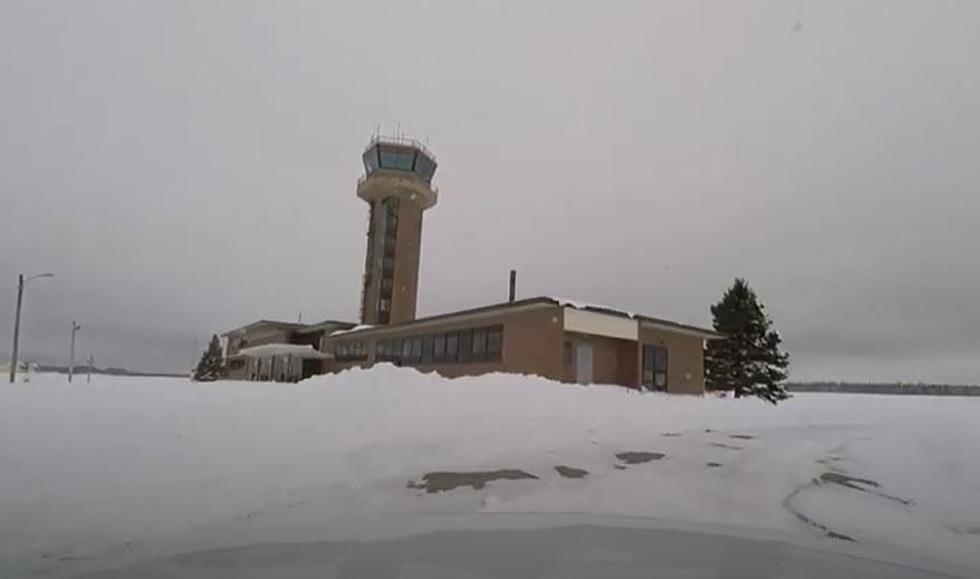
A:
[530, 303]
[297, 326]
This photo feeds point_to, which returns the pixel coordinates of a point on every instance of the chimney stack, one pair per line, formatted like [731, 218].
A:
[513, 285]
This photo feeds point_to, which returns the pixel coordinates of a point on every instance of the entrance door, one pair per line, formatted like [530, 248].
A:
[655, 368]
[583, 363]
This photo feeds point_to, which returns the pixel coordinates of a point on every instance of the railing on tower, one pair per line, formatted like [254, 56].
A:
[402, 141]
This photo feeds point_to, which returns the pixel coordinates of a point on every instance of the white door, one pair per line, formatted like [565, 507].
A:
[583, 363]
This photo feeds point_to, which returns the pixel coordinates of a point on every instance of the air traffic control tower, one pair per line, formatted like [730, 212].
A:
[397, 185]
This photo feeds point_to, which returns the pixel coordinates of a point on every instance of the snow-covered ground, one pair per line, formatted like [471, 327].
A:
[123, 469]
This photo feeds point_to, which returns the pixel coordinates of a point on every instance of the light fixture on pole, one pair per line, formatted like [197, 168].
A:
[20, 298]
[71, 354]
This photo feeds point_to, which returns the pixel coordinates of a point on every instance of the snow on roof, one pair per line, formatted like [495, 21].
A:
[259, 323]
[301, 351]
[356, 328]
[580, 305]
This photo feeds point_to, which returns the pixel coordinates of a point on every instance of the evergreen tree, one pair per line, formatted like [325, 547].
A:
[209, 368]
[748, 360]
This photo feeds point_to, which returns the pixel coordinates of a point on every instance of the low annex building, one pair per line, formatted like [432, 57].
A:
[550, 337]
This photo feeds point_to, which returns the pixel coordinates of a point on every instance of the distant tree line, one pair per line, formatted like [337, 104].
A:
[886, 388]
[82, 367]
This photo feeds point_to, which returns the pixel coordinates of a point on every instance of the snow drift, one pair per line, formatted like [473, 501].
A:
[92, 475]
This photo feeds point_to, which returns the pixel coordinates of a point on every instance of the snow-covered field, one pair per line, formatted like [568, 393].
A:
[122, 469]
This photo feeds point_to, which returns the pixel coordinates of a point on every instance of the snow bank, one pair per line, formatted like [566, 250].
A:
[97, 474]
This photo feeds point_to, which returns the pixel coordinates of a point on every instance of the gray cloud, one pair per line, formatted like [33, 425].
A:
[186, 167]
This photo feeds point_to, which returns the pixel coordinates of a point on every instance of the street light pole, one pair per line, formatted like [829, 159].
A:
[13, 356]
[20, 298]
[71, 355]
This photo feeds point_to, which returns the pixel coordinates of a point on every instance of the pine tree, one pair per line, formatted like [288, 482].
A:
[748, 360]
[209, 368]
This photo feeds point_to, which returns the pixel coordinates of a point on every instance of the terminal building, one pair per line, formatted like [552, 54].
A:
[550, 337]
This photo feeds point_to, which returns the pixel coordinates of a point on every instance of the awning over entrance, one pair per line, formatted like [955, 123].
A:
[282, 362]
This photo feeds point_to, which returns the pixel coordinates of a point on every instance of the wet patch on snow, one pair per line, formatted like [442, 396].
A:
[725, 446]
[851, 482]
[713, 464]
[671, 434]
[571, 471]
[742, 436]
[639, 457]
[827, 531]
[838, 477]
[433, 482]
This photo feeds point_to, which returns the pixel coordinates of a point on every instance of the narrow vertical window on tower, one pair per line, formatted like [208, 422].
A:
[368, 262]
[388, 235]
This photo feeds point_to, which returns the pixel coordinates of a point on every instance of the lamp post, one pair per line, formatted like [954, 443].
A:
[71, 354]
[20, 298]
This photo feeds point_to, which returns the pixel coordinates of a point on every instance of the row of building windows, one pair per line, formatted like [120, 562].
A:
[461, 346]
[349, 351]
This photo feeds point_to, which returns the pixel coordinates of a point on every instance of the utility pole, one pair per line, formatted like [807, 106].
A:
[71, 354]
[91, 362]
[20, 298]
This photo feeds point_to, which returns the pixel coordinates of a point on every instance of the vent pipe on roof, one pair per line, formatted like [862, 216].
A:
[513, 285]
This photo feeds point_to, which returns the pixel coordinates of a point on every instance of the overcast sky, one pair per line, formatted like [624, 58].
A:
[187, 167]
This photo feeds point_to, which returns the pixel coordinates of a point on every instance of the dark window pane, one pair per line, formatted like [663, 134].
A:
[655, 367]
[427, 349]
[370, 159]
[480, 345]
[417, 348]
[495, 343]
[424, 168]
[660, 359]
[439, 347]
[406, 349]
[452, 346]
[466, 346]
[480, 340]
[401, 160]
